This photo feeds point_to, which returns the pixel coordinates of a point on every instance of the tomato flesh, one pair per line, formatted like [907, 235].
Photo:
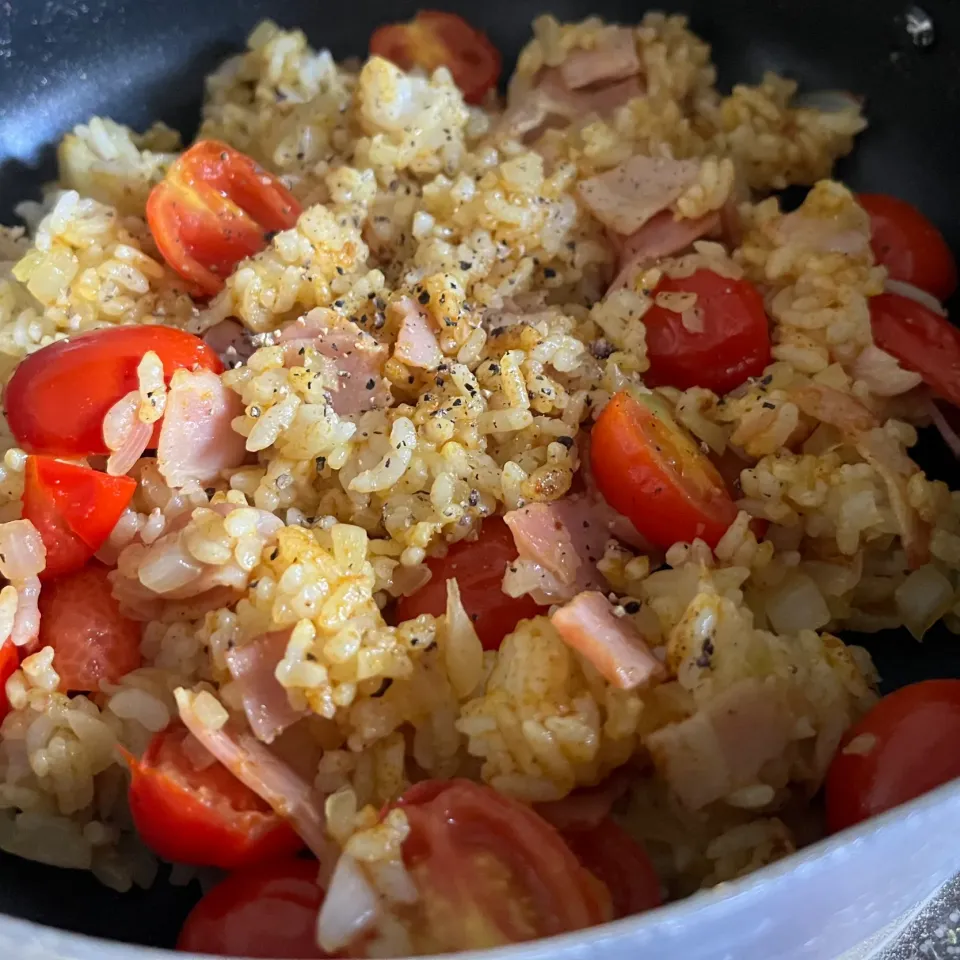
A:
[729, 342]
[9, 661]
[905, 746]
[269, 911]
[57, 397]
[215, 207]
[478, 567]
[91, 639]
[922, 340]
[491, 869]
[437, 39]
[909, 245]
[203, 817]
[652, 472]
[73, 508]
[616, 859]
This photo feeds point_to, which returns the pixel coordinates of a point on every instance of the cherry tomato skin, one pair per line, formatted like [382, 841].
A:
[922, 340]
[616, 859]
[438, 39]
[478, 567]
[909, 746]
[733, 344]
[57, 397]
[214, 208]
[9, 661]
[481, 854]
[652, 472]
[91, 639]
[909, 245]
[74, 510]
[268, 911]
[203, 817]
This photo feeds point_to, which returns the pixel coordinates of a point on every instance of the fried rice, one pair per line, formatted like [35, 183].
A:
[411, 196]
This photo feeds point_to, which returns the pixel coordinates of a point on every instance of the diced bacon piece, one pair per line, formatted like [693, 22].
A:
[265, 701]
[541, 536]
[230, 340]
[197, 441]
[612, 644]
[723, 746]
[629, 195]
[551, 100]
[560, 544]
[355, 359]
[417, 344]
[604, 100]
[613, 58]
[660, 237]
[267, 776]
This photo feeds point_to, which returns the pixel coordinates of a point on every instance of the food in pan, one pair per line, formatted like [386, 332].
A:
[432, 516]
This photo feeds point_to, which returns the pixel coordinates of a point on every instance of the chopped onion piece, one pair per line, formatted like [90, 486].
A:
[882, 374]
[125, 434]
[923, 598]
[914, 293]
[796, 604]
[350, 908]
[167, 566]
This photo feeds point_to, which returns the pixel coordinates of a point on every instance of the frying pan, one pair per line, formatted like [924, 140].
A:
[140, 60]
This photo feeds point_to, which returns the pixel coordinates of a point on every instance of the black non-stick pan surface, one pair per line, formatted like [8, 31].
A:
[62, 61]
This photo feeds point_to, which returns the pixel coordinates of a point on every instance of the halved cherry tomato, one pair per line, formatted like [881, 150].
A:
[91, 639]
[491, 871]
[204, 817]
[9, 661]
[909, 245]
[73, 508]
[615, 858]
[906, 745]
[57, 397]
[214, 208]
[435, 39]
[730, 342]
[922, 340]
[269, 911]
[649, 468]
[478, 568]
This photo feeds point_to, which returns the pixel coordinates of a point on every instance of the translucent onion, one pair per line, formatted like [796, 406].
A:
[914, 293]
[882, 374]
[796, 604]
[923, 598]
[463, 654]
[22, 553]
[350, 908]
[167, 566]
[125, 434]
[266, 775]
